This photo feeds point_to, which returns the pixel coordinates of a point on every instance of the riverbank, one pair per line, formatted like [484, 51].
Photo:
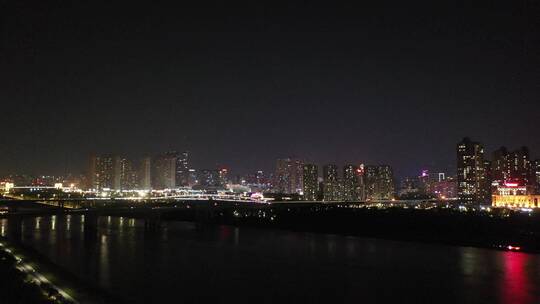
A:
[21, 283]
[42, 281]
[499, 229]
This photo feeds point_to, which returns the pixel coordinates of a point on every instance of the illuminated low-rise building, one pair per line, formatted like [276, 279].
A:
[8, 186]
[513, 195]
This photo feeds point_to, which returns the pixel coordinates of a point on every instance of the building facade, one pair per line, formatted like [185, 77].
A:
[145, 173]
[128, 175]
[332, 186]
[536, 174]
[182, 169]
[104, 172]
[210, 179]
[351, 183]
[289, 176]
[512, 166]
[474, 185]
[513, 195]
[379, 182]
[164, 171]
[310, 182]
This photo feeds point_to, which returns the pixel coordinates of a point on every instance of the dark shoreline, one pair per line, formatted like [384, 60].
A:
[84, 291]
[443, 226]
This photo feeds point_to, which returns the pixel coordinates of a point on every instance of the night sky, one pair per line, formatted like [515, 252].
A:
[240, 85]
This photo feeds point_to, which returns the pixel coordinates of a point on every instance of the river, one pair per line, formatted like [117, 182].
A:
[182, 262]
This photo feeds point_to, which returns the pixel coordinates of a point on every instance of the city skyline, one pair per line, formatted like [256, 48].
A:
[254, 84]
[298, 152]
[269, 165]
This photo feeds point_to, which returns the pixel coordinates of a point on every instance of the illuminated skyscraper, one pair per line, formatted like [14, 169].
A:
[445, 188]
[350, 183]
[513, 167]
[331, 183]
[410, 187]
[260, 178]
[145, 173]
[164, 171]
[182, 169]
[289, 177]
[500, 166]
[361, 190]
[211, 179]
[473, 182]
[104, 172]
[536, 173]
[193, 177]
[379, 182]
[223, 176]
[427, 181]
[310, 182]
[128, 175]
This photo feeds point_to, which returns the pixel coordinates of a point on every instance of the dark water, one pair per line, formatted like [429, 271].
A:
[182, 263]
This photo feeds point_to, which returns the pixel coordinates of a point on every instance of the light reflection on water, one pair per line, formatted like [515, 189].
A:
[38, 222]
[516, 286]
[281, 266]
[104, 260]
[3, 224]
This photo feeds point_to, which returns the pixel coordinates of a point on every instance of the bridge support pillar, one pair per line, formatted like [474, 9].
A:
[13, 209]
[15, 228]
[90, 224]
[152, 221]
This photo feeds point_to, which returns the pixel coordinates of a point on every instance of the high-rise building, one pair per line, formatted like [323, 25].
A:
[486, 185]
[361, 189]
[210, 179]
[536, 174]
[289, 177]
[500, 165]
[104, 172]
[379, 182]
[331, 183]
[445, 188]
[193, 177]
[260, 178]
[164, 171]
[512, 167]
[472, 173]
[182, 169]
[223, 176]
[128, 175]
[410, 187]
[145, 173]
[427, 180]
[351, 183]
[310, 182]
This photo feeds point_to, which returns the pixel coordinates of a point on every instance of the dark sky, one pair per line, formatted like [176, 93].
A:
[243, 84]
